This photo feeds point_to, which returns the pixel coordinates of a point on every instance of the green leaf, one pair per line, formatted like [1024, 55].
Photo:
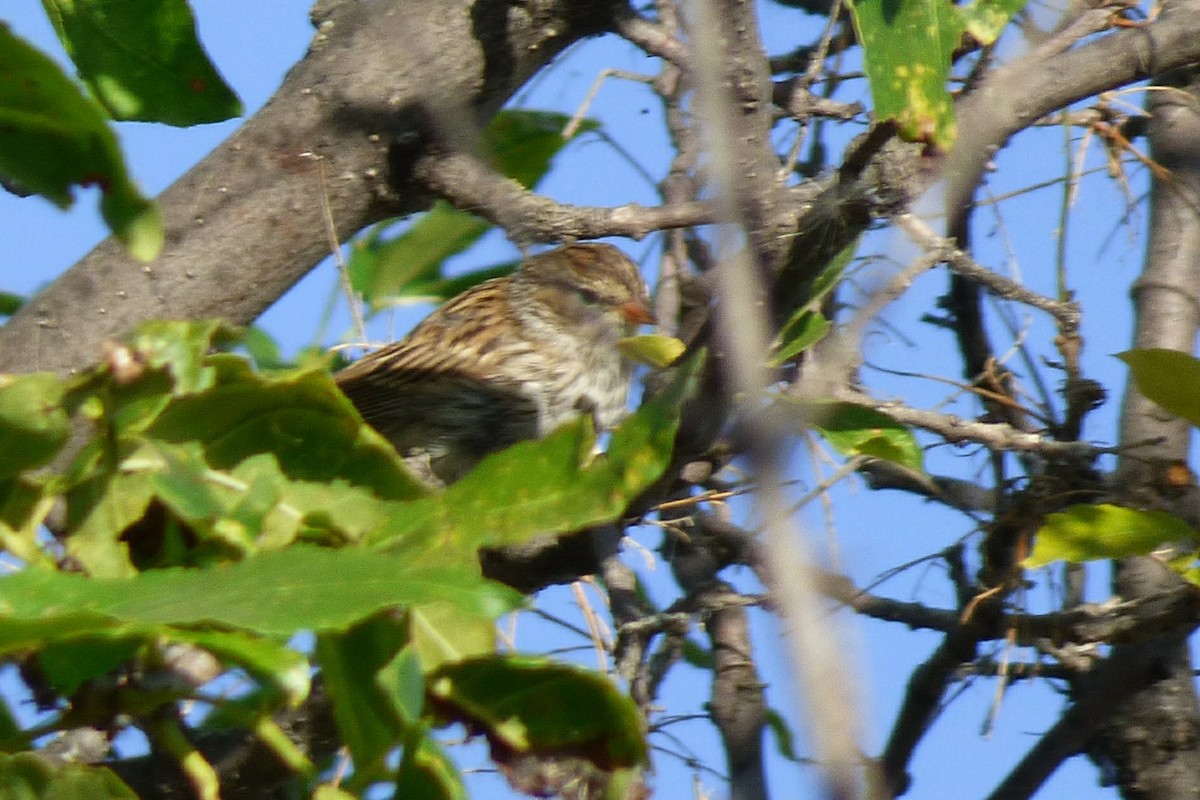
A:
[403, 680]
[985, 19]
[26, 776]
[801, 332]
[831, 275]
[1091, 532]
[654, 350]
[99, 510]
[1169, 378]
[854, 431]
[53, 138]
[263, 350]
[907, 46]
[327, 792]
[142, 61]
[782, 734]
[536, 706]
[426, 772]
[384, 272]
[12, 738]
[268, 661]
[274, 594]
[442, 634]
[182, 348]
[68, 663]
[33, 422]
[521, 145]
[10, 303]
[548, 486]
[24, 504]
[299, 416]
[366, 711]
[807, 325]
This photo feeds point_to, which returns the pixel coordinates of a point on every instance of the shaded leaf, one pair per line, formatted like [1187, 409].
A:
[69, 663]
[10, 303]
[403, 680]
[782, 734]
[1091, 532]
[53, 138]
[366, 711]
[801, 332]
[12, 738]
[141, 59]
[535, 706]
[1169, 378]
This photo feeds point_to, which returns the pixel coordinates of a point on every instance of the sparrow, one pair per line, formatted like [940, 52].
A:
[510, 359]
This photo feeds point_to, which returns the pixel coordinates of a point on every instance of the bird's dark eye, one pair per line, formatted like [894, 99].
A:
[589, 297]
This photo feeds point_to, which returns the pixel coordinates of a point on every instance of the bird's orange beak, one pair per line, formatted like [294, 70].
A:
[633, 311]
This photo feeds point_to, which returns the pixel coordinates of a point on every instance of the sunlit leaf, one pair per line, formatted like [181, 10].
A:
[329, 792]
[28, 776]
[442, 633]
[142, 60]
[276, 593]
[985, 19]
[855, 431]
[653, 350]
[99, 511]
[906, 48]
[182, 348]
[298, 416]
[1169, 378]
[1091, 532]
[33, 422]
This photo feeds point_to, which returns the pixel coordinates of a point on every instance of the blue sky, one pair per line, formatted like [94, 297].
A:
[254, 43]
